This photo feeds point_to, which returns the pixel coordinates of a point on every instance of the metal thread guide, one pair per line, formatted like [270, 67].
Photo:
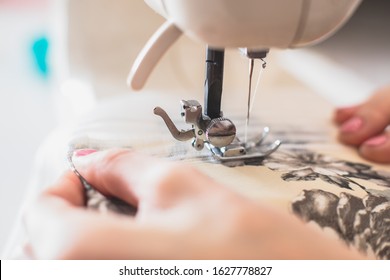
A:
[210, 128]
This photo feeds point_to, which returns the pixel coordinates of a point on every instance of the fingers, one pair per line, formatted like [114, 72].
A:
[364, 126]
[359, 123]
[377, 148]
[58, 230]
[107, 171]
[69, 188]
[343, 114]
[132, 176]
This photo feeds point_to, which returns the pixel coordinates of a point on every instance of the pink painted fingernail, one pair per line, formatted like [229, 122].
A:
[84, 152]
[376, 141]
[352, 125]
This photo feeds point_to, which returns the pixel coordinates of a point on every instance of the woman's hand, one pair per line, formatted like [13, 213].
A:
[181, 214]
[365, 126]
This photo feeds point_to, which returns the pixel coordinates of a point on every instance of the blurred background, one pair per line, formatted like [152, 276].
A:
[27, 90]
[58, 58]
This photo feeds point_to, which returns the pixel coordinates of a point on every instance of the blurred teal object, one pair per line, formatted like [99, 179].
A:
[40, 50]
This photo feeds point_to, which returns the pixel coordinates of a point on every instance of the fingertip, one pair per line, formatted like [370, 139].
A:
[376, 149]
[353, 131]
[342, 114]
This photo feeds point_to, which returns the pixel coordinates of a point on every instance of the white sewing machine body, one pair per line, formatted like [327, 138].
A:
[253, 24]
[256, 23]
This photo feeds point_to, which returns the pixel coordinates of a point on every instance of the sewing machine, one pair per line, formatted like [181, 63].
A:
[254, 26]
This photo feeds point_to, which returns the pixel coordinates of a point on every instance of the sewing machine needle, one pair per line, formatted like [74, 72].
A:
[251, 66]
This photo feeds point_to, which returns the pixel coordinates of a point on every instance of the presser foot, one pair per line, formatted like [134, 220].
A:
[218, 135]
[254, 149]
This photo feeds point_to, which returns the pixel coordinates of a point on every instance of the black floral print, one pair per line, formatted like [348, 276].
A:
[305, 165]
[361, 222]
